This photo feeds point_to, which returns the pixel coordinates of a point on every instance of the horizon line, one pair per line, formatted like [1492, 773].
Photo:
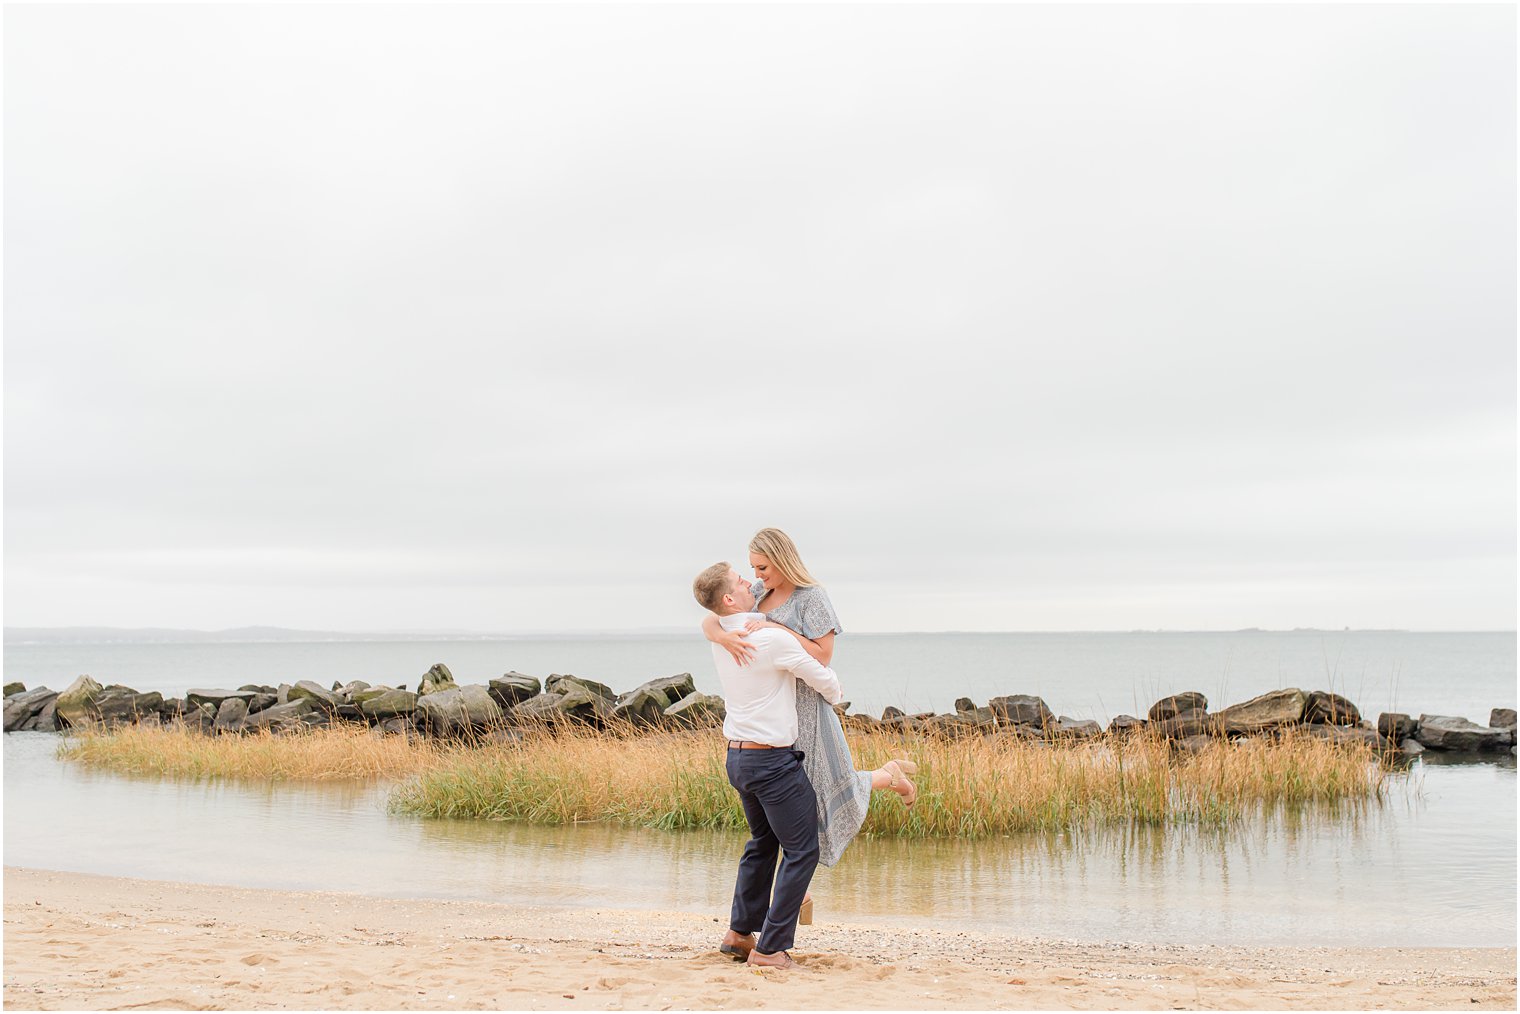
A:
[656, 630]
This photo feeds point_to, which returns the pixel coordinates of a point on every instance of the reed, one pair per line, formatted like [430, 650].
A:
[319, 755]
[968, 788]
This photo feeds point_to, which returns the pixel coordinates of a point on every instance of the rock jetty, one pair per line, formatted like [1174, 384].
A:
[513, 703]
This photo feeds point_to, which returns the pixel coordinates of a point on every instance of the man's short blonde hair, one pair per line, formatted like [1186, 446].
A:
[711, 585]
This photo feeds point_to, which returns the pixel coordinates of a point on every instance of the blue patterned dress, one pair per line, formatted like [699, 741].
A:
[844, 794]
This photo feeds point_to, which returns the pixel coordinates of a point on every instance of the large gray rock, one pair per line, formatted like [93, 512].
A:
[1022, 709]
[195, 698]
[1271, 710]
[87, 702]
[442, 712]
[457, 710]
[559, 684]
[382, 703]
[26, 706]
[347, 690]
[74, 702]
[1325, 708]
[46, 719]
[397, 727]
[118, 705]
[313, 719]
[1191, 744]
[585, 707]
[261, 700]
[1126, 724]
[1410, 747]
[981, 718]
[230, 715]
[1177, 704]
[952, 726]
[436, 680]
[697, 711]
[196, 720]
[1501, 718]
[1186, 724]
[675, 687]
[905, 723]
[1077, 729]
[280, 718]
[965, 704]
[514, 688]
[481, 710]
[319, 696]
[543, 708]
[1444, 732]
[1347, 735]
[12, 689]
[646, 704]
[641, 707]
[1396, 726]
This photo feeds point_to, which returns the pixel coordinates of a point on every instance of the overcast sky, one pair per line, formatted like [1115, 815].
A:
[514, 318]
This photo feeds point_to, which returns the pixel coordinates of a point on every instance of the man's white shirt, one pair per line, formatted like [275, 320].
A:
[761, 697]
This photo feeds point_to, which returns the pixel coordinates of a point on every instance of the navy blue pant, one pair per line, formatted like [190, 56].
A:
[782, 811]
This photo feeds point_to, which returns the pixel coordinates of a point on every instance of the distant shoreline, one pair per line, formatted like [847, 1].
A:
[24, 636]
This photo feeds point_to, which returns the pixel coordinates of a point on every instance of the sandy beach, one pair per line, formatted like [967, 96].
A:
[74, 941]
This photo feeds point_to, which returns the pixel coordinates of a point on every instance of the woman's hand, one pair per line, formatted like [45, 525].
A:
[734, 643]
[750, 626]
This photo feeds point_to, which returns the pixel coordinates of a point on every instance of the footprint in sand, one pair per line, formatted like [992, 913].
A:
[259, 959]
[833, 961]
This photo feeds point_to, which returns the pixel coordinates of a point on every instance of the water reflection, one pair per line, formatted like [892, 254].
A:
[1313, 875]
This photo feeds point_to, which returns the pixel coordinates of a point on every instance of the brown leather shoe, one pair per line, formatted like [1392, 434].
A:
[737, 945]
[780, 959]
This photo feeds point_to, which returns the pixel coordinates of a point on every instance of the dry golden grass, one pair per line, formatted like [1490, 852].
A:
[325, 754]
[967, 788]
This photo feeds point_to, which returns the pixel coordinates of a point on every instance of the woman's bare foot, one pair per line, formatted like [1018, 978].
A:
[780, 959]
[897, 772]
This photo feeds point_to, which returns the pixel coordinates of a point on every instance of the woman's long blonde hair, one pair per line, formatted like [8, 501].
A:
[778, 547]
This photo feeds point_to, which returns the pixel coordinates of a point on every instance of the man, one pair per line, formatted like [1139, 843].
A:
[778, 799]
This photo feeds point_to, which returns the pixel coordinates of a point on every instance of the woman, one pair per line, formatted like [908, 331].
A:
[793, 601]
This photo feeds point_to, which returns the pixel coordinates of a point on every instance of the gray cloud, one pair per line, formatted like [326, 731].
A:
[514, 317]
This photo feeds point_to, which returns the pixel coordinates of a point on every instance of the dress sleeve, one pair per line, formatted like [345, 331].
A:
[815, 613]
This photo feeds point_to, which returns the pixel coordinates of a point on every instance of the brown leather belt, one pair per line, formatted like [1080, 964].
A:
[744, 744]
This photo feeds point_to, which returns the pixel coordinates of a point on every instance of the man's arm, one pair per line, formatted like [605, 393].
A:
[821, 649]
[790, 656]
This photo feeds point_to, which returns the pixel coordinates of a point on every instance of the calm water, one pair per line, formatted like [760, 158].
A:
[1082, 675]
[1436, 865]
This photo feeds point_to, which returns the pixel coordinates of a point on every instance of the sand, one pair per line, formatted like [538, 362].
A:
[74, 941]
